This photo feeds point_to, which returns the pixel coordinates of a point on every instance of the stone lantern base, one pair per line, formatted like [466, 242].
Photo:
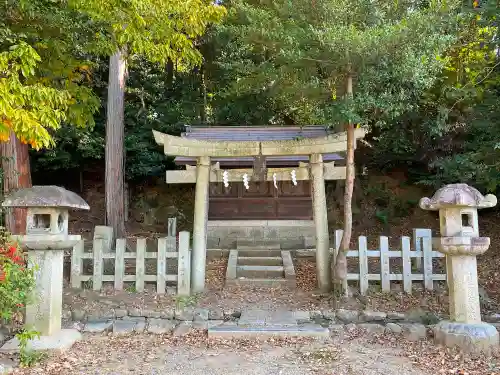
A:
[61, 340]
[470, 337]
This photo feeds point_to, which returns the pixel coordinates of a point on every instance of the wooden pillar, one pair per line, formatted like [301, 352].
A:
[321, 223]
[199, 254]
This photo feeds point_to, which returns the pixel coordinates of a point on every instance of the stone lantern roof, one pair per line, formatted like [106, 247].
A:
[457, 195]
[45, 196]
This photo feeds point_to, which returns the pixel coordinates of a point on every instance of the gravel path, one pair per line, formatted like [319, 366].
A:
[152, 355]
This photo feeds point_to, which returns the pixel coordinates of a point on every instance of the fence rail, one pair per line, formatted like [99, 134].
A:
[167, 248]
[420, 270]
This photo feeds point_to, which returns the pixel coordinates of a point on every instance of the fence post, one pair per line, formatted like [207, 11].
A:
[363, 265]
[161, 266]
[102, 232]
[120, 263]
[385, 268]
[184, 265]
[418, 235]
[98, 264]
[406, 250]
[172, 227]
[76, 264]
[140, 267]
[427, 250]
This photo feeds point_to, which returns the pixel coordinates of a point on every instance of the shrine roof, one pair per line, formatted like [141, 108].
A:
[256, 133]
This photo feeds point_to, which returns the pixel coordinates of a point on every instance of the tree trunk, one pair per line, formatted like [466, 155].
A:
[115, 132]
[16, 175]
[341, 259]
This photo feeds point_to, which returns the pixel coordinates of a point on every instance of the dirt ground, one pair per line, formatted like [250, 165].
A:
[150, 355]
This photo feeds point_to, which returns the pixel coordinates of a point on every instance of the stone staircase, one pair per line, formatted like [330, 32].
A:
[260, 264]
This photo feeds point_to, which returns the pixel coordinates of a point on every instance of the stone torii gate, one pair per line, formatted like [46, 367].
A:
[205, 172]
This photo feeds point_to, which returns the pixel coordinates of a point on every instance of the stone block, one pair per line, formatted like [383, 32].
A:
[315, 314]
[6, 366]
[160, 326]
[302, 316]
[492, 318]
[414, 331]
[215, 323]
[329, 314]
[200, 324]
[123, 327]
[267, 332]
[182, 329]
[396, 316]
[61, 340]
[372, 327]
[201, 314]
[140, 326]
[120, 313]
[97, 327]
[372, 316]
[184, 314]
[134, 318]
[470, 337]
[347, 316]
[151, 313]
[167, 313]
[336, 328]
[135, 312]
[393, 328]
[216, 314]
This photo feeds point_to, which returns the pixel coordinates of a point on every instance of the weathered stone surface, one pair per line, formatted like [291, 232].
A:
[414, 331]
[350, 327]
[470, 337]
[61, 340]
[395, 316]
[201, 314]
[315, 314]
[140, 326]
[109, 314]
[167, 313]
[372, 316]
[151, 313]
[160, 326]
[97, 327]
[182, 329]
[302, 316]
[393, 328]
[266, 332]
[216, 314]
[120, 313]
[45, 196]
[215, 323]
[134, 318]
[329, 314]
[78, 315]
[200, 324]
[185, 314]
[66, 314]
[123, 327]
[135, 312]
[6, 366]
[336, 328]
[347, 316]
[372, 327]
[253, 317]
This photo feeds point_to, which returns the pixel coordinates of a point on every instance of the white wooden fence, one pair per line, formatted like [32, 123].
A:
[166, 249]
[422, 255]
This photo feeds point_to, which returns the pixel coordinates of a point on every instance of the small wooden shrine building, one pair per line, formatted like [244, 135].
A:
[257, 183]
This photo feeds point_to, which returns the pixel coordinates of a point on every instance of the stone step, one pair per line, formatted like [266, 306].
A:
[260, 282]
[257, 245]
[260, 272]
[265, 332]
[259, 253]
[260, 261]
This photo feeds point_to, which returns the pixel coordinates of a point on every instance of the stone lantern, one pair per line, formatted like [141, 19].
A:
[45, 240]
[460, 242]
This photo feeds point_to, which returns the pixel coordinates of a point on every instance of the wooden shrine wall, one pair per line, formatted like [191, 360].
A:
[261, 202]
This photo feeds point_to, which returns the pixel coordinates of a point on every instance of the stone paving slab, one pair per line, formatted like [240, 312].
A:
[97, 327]
[266, 332]
[123, 327]
[160, 326]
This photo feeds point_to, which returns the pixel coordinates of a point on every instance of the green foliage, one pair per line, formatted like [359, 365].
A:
[40, 87]
[27, 356]
[16, 279]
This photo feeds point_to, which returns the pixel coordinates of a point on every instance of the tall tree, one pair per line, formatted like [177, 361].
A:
[161, 31]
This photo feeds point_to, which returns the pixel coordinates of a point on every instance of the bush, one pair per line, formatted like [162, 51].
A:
[16, 279]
